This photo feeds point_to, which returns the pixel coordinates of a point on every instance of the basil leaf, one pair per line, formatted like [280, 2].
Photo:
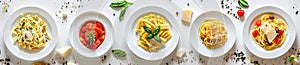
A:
[123, 10]
[147, 29]
[157, 38]
[156, 30]
[149, 36]
[118, 53]
[118, 3]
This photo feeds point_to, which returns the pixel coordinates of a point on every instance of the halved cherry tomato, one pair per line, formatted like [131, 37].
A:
[281, 32]
[277, 40]
[258, 23]
[255, 33]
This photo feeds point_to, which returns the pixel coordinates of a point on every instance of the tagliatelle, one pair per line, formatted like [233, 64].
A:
[213, 33]
[269, 32]
[154, 23]
[31, 32]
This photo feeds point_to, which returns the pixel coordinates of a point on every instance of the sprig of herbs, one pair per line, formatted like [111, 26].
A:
[123, 4]
[153, 34]
[91, 37]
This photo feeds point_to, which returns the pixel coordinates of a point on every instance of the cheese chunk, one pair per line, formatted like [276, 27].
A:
[181, 52]
[27, 35]
[64, 51]
[187, 15]
[269, 31]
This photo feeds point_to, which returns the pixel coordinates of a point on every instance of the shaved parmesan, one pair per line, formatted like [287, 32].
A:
[269, 31]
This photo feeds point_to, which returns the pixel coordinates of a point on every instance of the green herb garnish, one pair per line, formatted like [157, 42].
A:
[118, 53]
[32, 22]
[157, 38]
[118, 3]
[150, 36]
[91, 37]
[147, 29]
[123, 4]
[153, 34]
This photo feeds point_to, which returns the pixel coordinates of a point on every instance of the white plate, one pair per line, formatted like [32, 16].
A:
[256, 49]
[21, 53]
[197, 42]
[132, 37]
[74, 36]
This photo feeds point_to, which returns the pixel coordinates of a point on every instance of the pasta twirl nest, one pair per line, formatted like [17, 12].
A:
[269, 32]
[213, 33]
[153, 31]
[31, 32]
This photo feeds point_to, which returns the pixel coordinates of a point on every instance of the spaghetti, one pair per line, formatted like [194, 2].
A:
[213, 33]
[269, 32]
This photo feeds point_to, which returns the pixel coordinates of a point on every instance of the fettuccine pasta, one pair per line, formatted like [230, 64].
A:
[269, 32]
[31, 32]
[153, 31]
[213, 33]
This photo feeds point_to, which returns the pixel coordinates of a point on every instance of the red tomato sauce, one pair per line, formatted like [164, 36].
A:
[92, 34]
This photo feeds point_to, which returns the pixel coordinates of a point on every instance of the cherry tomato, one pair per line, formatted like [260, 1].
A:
[240, 13]
[97, 30]
[281, 32]
[258, 23]
[255, 33]
[277, 40]
[99, 25]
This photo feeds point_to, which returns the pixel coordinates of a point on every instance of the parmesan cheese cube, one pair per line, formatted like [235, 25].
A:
[64, 51]
[187, 15]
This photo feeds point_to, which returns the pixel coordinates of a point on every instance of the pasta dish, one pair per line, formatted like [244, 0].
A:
[269, 32]
[153, 31]
[213, 33]
[31, 32]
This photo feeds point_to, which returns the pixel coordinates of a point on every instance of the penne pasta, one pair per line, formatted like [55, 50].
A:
[151, 23]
